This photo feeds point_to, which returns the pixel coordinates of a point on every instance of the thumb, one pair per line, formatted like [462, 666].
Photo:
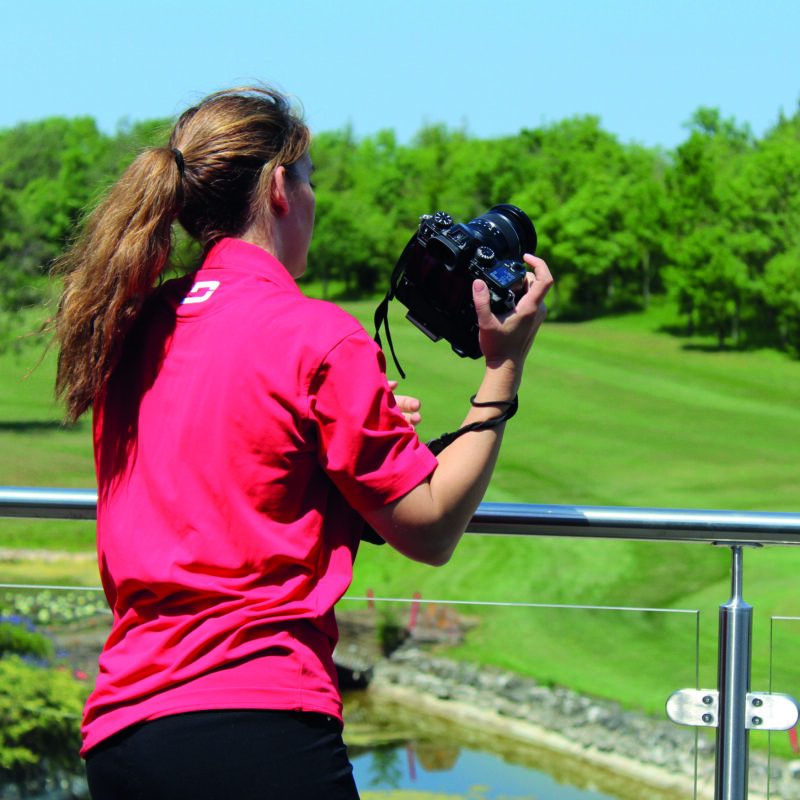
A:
[482, 300]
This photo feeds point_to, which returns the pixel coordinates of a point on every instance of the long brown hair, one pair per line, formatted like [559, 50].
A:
[214, 178]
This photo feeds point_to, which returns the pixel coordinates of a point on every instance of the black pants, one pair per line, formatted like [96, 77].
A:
[224, 755]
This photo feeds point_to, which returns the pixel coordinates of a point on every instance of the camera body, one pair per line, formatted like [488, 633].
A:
[443, 258]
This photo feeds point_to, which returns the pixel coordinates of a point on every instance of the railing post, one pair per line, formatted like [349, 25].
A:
[732, 708]
[733, 684]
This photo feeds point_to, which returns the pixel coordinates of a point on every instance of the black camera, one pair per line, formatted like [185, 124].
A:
[433, 278]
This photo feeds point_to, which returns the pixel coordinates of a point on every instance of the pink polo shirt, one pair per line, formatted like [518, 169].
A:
[243, 432]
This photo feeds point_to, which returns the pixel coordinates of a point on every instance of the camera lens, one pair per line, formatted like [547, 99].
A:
[516, 227]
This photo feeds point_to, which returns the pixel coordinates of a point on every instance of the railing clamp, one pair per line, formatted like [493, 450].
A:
[764, 711]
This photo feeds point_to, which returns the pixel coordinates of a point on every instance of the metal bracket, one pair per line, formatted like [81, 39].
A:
[763, 711]
[697, 707]
[771, 712]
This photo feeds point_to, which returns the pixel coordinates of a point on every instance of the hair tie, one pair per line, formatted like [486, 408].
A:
[179, 160]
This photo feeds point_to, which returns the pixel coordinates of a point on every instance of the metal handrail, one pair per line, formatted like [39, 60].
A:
[514, 519]
[33, 502]
[724, 708]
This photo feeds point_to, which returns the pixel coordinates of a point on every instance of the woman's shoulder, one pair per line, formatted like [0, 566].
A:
[325, 309]
[328, 323]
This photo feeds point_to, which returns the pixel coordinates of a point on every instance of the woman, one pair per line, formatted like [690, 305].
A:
[243, 434]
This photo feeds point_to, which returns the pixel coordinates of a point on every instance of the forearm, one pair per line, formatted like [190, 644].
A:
[428, 522]
[466, 465]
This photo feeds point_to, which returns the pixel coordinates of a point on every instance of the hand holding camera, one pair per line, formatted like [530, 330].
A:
[433, 277]
[508, 337]
[470, 285]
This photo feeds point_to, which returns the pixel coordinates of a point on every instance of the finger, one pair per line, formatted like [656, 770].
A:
[407, 404]
[409, 407]
[540, 269]
[413, 419]
[482, 300]
[392, 385]
[539, 281]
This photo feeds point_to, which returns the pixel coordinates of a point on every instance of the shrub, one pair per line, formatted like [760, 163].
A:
[40, 713]
[18, 635]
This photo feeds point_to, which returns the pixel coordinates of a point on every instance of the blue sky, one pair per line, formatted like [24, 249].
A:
[492, 67]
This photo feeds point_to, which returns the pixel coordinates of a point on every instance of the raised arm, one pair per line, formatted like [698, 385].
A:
[427, 523]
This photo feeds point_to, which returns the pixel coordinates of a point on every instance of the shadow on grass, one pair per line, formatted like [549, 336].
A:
[37, 426]
[701, 344]
[704, 347]
[705, 342]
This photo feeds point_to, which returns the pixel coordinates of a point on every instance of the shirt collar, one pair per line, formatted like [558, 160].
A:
[241, 256]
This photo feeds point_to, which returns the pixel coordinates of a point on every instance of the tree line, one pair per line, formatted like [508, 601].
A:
[713, 225]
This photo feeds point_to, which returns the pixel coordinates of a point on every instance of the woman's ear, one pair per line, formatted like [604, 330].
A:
[279, 199]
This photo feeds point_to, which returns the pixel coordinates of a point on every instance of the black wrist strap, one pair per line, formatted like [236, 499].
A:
[437, 445]
[513, 405]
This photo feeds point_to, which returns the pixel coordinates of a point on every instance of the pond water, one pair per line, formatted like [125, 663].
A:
[397, 749]
[468, 774]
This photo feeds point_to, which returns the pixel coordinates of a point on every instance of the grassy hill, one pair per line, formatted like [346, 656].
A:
[612, 412]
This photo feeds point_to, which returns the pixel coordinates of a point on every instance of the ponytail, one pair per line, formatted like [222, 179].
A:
[112, 266]
[214, 178]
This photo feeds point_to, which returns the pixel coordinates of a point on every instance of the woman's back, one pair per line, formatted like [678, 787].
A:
[253, 428]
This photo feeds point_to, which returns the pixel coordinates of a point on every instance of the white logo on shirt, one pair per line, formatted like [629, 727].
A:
[200, 292]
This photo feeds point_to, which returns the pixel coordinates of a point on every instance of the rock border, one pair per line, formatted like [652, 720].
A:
[655, 751]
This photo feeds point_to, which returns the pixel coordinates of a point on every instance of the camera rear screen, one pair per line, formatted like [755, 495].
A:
[503, 277]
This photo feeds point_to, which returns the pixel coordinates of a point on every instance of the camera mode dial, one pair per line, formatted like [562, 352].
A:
[442, 220]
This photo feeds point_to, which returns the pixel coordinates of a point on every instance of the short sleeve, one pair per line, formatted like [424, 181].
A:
[365, 444]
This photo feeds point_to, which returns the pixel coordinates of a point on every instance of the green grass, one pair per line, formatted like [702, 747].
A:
[37, 450]
[612, 412]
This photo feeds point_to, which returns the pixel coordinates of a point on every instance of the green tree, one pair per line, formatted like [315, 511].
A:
[709, 251]
[716, 223]
[766, 218]
[600, 211]
[48, 171]
[51, 172]
[781, 289]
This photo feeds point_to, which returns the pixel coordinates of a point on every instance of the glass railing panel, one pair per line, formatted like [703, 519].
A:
[75, 620]
[50, 639]
[784, 678]
[431, 720]
[583, 533]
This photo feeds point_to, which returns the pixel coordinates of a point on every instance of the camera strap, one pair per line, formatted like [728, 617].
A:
[437, 445]
[381, 319]
[382, 311]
